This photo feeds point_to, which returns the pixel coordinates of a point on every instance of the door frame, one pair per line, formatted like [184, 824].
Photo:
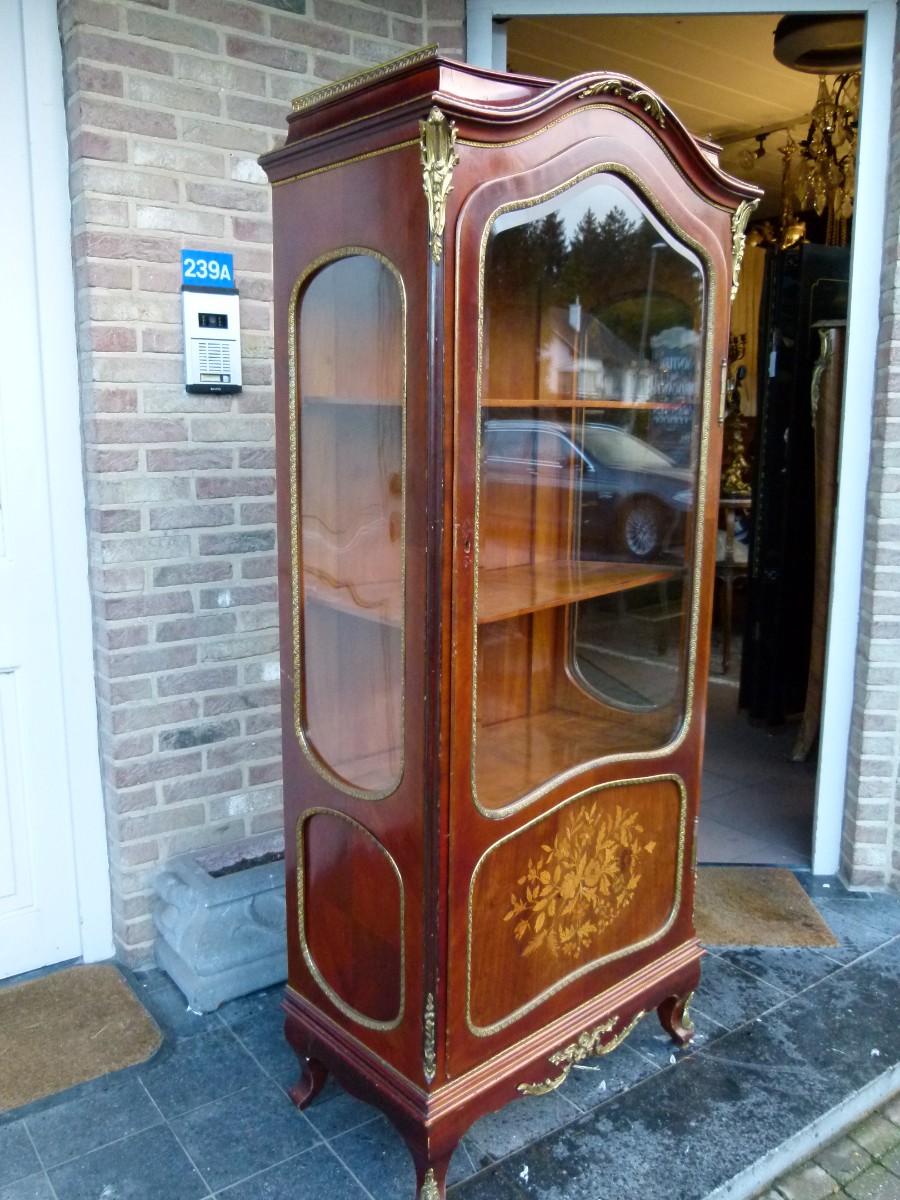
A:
[50, 292]
[486, 46]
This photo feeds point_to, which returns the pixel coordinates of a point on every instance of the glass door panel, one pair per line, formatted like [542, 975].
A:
[350, 339]
[591, 375]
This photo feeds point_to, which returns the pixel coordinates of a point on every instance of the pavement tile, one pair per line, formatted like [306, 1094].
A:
[876, 1183]
[807, 1182]
[32, 1187]
[876, 1134]
[17, 1156]
[844, 1159]
[146, 1166]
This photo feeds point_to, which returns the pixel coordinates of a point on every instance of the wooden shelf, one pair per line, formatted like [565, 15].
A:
[350, 401]
[576, 402]
[514, 757]
[381, 601]
[510, 591]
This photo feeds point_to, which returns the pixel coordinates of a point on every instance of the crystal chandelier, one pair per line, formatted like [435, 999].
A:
[820, 170]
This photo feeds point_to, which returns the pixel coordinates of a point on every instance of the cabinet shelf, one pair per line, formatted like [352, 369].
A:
[575, 402]
[381, 601]
[355, 401]
[515, 757]
[505, 592]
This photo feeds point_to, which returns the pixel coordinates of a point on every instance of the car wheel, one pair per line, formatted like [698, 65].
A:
[640, 527]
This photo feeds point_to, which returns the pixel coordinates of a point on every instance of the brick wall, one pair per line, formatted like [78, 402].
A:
[871, 834]
[170, 102]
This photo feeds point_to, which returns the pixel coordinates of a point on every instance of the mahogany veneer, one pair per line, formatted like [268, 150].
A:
[501, 309]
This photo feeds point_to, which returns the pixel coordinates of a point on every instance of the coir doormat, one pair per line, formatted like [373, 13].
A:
[756, 906]
[67, 1027]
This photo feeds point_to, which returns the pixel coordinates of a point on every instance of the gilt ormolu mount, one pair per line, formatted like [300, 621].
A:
[501, 312]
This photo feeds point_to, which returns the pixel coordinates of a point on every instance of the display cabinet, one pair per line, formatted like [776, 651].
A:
[501, 327]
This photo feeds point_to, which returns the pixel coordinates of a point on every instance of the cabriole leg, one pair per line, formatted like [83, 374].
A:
[675, 1020]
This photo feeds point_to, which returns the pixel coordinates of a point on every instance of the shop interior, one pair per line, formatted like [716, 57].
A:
[780, 96]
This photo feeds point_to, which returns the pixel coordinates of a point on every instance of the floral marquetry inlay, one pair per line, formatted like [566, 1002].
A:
[581, 883]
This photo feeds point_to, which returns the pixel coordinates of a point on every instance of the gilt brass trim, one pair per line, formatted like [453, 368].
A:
[341, 1005]
[599, 107]
[430, 1189]
[439, 157]
[706, 403]
[649, 101]
[312, 757]
[345, 162]
[589, 1045]
[739, 222]
[330, 91]
[429, 1055]
[594, 964]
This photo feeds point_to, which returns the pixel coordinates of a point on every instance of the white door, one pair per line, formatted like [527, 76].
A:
[43, 582]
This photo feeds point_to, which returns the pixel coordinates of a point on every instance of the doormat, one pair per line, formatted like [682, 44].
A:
[67, 1027]
[756, 906]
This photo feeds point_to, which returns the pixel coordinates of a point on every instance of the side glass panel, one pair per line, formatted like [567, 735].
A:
[591, 379]
[351, 385]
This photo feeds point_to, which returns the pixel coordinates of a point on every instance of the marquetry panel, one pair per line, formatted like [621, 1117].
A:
[595, 879]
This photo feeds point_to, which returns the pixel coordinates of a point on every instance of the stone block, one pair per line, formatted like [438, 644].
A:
[221, 921]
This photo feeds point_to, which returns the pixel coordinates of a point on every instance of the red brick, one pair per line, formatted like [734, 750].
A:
[228, 196]
[98, 244]
[269, 54]
[257, 112]
[223, 12]
[210, 783]
[239, 701]
[149, 716]
[145, 662]
[216, 487]
[204, 679]
[200, 572]
[122, 51]
[183, 97]
[244, 751]
[189, 460]
[231, 597]
[106, 431]
[265, 773]
[89, 273]
[352, 16]
[257, 514]
[251, 229]
[110, 338]
[115, 520]
[153, 604]
[187, 516]
[111, 460]
[134, 746]
[88, 77]
[162, 341]
[209, 625]
[88, 12]
[124, 117]
[151, 770]
[262, 722]
[158, 28]
[255, 458]
[123, 636]
[114, 400]
[263, 567]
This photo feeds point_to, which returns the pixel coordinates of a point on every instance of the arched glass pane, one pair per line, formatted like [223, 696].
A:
[351, 520]
[590, 411]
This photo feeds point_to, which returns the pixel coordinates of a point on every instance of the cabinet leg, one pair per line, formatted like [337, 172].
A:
[675, 1020]
[431, 1180]
[313, 1075]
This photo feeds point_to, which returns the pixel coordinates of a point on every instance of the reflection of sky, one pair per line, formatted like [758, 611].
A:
[601, 197]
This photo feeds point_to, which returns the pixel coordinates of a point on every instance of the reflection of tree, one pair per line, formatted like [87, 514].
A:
[604, 267]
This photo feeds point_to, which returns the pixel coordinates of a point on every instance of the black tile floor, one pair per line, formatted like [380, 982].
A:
[791, 1045]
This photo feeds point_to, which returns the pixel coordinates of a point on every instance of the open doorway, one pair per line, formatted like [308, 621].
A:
[720, 74]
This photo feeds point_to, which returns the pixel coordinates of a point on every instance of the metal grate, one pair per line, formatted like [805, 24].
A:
[214, 358]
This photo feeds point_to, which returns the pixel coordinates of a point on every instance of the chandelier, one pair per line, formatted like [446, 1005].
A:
[819, 170]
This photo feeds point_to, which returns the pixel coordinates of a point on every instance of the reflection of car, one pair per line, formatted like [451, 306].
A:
[633, 497]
